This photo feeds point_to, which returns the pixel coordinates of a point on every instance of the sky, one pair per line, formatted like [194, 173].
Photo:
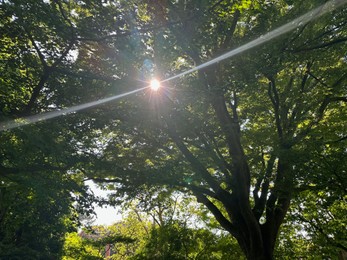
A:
[105, 215]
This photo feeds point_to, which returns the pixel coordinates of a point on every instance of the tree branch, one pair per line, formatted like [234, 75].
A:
[219, 160]
[37, 49]
[320, 46]
[273, 94]
[217, 214]
[202, 191]
[321, 231]
[260, 203]
[337, 140]
[199, 168]
[46, 71]
[61, 9]
[320, 114]
[86, 75]
[227, 41]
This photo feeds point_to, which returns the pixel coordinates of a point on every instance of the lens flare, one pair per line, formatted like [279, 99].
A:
[296, 23]
[48, 115]
[154, 84]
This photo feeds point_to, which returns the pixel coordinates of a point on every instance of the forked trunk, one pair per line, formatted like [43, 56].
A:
[260, 250]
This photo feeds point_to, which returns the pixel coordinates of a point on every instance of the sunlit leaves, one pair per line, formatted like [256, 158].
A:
[286, 99]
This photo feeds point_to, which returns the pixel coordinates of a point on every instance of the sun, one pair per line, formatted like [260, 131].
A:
[154, 84]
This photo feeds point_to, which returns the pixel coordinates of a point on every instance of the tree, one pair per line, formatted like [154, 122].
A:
[178, 232]
[176, 241]
[317, 218]
[38, 203]
[238, 135]
[233, 134]
[166, 229]
[97, 242]
[41, 193]
[76, 248]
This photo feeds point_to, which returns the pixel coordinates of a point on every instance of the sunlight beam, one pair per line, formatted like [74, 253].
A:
[155, 84]
[45, 116]
[300, 21]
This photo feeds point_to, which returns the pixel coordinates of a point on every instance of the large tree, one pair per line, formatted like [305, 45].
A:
[238, 135]
[241, 135]
[41, 192]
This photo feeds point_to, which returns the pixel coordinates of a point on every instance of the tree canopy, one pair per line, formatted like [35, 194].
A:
[258, 139]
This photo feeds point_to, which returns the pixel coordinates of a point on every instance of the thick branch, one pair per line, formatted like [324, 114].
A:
[261, 201]
[225, 223]
[199, 168]
[320, 114]
[61, 9]
[273, 94]
[36, 91]
[37, 49]
[343, 138]
[63, 55]
[229, 36]
[281, 209]
[305, 77]
[219, 160]
[278, 189]
[230, 128]
[320, 46]
[202, 191]
[234, 106]
[46, 72]
[103, 180]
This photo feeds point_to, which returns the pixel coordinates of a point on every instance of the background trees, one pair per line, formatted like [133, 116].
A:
[165, 228]
[247, 136]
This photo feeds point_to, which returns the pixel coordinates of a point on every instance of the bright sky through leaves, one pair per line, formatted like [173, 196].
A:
[298, 22]
[155, 84]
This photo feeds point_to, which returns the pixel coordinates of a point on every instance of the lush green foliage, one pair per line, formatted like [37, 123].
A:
[166, 231]
[258, 139]
[175, 241]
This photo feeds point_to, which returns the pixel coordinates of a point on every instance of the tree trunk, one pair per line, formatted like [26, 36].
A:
[255, 249]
